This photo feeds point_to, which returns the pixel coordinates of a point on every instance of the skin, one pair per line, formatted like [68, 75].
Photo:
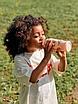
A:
[37, 41]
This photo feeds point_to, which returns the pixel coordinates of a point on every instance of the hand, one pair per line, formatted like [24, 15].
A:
[61, 53]
[49, 47]
[63, 61]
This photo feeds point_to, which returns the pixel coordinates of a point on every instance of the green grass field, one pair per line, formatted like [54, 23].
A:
[62, 16]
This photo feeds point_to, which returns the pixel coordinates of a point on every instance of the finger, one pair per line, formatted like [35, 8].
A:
[47, 43]
[51, 45]
[46, 46]
[61, 53]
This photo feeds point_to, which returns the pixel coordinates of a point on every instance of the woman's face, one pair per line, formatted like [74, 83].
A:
[37, 39]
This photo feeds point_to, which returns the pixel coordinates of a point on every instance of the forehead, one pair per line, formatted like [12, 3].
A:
[37, 28]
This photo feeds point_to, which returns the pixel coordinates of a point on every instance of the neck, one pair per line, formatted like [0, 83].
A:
[31, 50]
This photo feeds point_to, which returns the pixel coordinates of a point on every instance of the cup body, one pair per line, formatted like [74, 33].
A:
[65, 45]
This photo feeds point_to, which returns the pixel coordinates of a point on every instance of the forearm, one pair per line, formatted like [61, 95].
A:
[63, 64]
[37, 73]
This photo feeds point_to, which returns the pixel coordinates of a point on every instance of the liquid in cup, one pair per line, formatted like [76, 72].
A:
[65, 45]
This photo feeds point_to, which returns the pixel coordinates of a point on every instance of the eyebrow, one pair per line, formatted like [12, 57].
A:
[38, 32]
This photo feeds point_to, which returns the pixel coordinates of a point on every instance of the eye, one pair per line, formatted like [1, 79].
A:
[43, 33]
[36, 35]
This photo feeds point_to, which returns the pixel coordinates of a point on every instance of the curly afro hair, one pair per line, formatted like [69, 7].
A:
[19, 31]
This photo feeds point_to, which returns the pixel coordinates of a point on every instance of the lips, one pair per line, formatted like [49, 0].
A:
[42, 44]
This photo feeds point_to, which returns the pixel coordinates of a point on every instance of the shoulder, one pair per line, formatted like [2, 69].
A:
[19, 57]
[54, 58]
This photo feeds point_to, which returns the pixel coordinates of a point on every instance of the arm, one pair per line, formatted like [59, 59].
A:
[24, 72]
[37, 73]
[63, 61]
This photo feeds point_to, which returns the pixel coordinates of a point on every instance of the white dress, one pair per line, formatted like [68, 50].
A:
[42, 92]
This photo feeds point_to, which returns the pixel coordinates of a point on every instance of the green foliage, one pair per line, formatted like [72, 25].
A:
[67, 81]
[62, 18]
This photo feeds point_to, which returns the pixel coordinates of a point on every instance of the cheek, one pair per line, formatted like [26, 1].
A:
[44, 37]
[34, 41]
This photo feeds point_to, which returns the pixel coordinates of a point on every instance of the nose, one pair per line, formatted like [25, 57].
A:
[41, 37]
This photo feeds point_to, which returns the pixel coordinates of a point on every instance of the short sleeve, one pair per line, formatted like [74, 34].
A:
[55, 62]
[22, 69]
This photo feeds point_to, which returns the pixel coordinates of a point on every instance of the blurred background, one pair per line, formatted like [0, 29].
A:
[62, 17]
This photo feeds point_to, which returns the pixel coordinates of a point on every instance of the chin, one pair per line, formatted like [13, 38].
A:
[41, 47]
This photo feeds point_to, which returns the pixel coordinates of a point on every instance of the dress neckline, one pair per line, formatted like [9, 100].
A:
[30, 53]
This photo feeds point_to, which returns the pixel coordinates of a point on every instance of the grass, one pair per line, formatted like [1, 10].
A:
[62, 18]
